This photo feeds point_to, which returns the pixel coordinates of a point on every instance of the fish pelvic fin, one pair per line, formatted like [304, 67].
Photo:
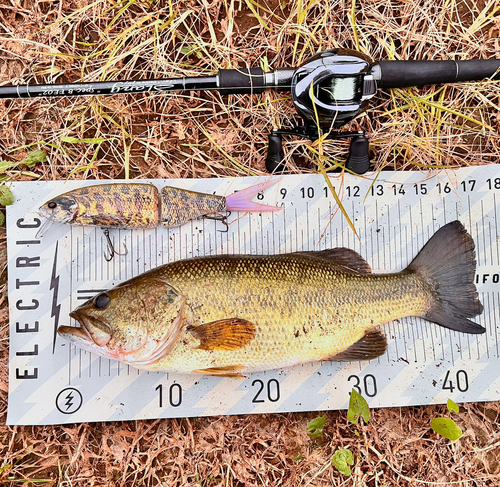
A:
[232, 371]
[242, 200]
[447, 263]
[228, 334]
[372, 345]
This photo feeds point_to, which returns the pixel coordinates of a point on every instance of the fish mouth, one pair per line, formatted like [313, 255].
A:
[91, 329]
[75, 332]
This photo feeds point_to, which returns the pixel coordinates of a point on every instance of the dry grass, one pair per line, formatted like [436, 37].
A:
[203, 135]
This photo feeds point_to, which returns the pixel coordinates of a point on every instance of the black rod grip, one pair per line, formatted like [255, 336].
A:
[402, 74]
[241, 81]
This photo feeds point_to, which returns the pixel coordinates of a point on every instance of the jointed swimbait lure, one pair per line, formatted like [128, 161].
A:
[142, 205]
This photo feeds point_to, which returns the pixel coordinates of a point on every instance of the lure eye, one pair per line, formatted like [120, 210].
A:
[102, 300]
[51, 204]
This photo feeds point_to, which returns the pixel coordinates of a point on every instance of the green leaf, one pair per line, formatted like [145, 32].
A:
[34, 157]
[74, 140]
[6, 196]
[452, 406]
[4, 165]
[358, 407]
[341, 459]
[30, 160]
[316, 426]
[447, 428]
[2, 221]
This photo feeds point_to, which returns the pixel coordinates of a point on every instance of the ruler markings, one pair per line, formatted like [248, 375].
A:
[398, 242]
[391, 251]
[377, 229]
[80, 352]
[89, 357]
[423, 334]
[96, 260]
[496, 226]
[490, 233]
[83, 249]
[77, 261]
[488, 312]
[422, 224]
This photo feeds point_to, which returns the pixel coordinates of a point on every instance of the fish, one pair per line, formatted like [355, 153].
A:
[142, 205]
[231, 315]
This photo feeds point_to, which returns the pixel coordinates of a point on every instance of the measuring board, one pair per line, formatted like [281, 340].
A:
[394, 213]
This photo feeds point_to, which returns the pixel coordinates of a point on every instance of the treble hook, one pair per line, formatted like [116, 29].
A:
[220, 218]
[111, 249]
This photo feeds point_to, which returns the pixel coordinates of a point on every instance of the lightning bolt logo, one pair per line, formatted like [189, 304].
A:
[56, 308]
[69, 400]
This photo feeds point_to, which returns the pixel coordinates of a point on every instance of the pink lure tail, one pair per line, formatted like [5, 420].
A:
[242, 200]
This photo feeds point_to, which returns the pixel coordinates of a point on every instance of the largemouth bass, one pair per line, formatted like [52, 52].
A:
[233, 315]
[141, 205]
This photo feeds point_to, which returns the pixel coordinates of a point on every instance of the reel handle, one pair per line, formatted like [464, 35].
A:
[358, 160]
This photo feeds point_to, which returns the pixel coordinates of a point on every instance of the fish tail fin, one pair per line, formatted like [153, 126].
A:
[242, 200]
[448, 262]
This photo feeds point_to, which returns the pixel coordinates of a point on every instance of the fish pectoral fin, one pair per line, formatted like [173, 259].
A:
[372, 345]
[347, 260]
[232, 371]
[227, 334]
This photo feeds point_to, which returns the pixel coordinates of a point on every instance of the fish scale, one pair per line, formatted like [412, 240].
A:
[297, 322]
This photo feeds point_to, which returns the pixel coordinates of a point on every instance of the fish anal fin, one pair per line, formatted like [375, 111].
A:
[227, 334]
[347, 260]
[372, 345]
[232, 371]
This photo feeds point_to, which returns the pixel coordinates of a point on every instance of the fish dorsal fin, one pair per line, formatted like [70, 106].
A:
[227, 334]
[372, 345]
[232, 371]
[347, 260]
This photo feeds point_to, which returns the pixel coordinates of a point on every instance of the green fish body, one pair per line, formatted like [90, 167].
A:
[233, 315]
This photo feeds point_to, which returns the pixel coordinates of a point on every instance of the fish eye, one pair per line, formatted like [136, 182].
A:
[51, 204]
[102, 301]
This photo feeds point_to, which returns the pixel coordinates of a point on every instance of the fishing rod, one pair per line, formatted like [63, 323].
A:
[328, 91]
